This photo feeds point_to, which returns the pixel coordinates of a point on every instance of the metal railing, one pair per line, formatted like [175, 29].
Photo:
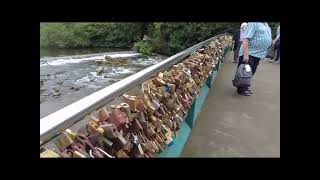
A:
[53, 124]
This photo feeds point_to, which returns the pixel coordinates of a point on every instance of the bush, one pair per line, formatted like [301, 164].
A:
[78, 35]
[143, 47]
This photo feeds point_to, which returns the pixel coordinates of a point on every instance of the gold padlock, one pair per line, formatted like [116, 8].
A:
[121, 154]
[158, 82]
[63, 141]
[49, 154]
[77, 154]
[93, 128]
[71, 134]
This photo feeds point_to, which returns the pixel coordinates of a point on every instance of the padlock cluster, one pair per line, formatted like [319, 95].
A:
[144, 125]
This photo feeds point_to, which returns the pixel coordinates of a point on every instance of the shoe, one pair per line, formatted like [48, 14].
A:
[250, 91]
[245, 93]
[271, 60]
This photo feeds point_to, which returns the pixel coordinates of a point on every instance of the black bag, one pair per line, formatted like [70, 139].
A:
[271, 52]
[242, 77]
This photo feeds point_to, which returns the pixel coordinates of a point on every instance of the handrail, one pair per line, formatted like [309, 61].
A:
[53, 124]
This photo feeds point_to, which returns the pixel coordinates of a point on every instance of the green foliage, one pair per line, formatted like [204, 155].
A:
[77, 35]
[164, 37]
[274, 26]
[143, 47]
[170, 38]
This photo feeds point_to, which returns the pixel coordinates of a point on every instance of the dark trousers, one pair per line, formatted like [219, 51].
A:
[236, 52]
[253, 62]
[277, 50]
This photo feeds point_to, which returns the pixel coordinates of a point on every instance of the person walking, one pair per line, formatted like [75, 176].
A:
[276, 43]
[257, 40]
[238, 38]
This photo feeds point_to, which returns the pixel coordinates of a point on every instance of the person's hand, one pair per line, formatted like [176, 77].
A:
[246, 58]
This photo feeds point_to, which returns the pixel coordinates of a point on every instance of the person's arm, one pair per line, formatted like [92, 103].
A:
[248, 34]
[275, 40]
[245, 46]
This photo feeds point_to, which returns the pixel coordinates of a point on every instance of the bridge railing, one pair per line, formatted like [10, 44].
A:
[53, 124]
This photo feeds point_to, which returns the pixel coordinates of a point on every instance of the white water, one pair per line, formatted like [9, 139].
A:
[78, 59]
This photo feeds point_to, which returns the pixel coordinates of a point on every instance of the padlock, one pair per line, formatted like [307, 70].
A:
[126, 109]
[63, 141]
[83, 130]
[94, 119]
[95, 153]
[71, 134]
[80, 148]
[115, 106]
[103, 114]
[149, 131]
[159, 146]
[154, 146]
[118, 118]
[65, 154]
[137, 125]
[77, 154]
[140, 105]
[93, 128]
[148, 104]
[49, 154]
[121, 154]
[96, 140]
[120, 140]
[131, 100]
[110, 130]
[107, 142]
[158, 82]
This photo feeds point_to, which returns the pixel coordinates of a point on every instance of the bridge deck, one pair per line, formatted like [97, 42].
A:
[230, 125]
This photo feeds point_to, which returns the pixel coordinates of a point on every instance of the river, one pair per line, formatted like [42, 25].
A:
[68, 75]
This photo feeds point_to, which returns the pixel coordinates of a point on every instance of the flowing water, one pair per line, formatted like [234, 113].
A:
[67, 76]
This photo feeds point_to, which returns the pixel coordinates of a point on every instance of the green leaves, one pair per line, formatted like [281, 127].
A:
[165, 38]
[75, 35]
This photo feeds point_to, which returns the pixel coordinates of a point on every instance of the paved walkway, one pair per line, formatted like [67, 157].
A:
[231, 125]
